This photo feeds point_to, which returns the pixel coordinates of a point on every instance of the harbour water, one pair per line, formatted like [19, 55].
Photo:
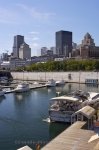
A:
[22, 116]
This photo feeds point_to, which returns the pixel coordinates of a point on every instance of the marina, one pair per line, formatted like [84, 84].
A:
[24, 117]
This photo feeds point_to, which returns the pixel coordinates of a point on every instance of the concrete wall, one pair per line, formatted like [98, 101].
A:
[67, 76]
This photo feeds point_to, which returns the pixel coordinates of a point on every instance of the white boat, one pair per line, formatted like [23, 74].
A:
[60, 82]
[62, 107]
[35, 83]
[51, 83]
[23, 87]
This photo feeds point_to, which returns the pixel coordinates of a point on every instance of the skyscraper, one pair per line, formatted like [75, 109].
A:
[18, 40]
[43, 51]
[24, 51]
[63, 43]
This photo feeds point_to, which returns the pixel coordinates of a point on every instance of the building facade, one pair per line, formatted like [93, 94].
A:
[53, 49]
[63, 43]
[24, 51]
[18, 40]
[88, 48]
[43, 51]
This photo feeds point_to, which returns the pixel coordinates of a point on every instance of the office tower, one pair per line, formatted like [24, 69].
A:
[43, 51]
[53, 49]
[24, 51]
[87, 48]
[63, 43]
[18, 40]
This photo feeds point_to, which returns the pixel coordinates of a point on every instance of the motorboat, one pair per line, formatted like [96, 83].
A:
[63, 107]
[51, 83]
[60, 82]
[35, 83]
[23, 87]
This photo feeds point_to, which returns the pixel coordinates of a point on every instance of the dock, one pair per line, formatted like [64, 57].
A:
[74, 138]
[31, 87]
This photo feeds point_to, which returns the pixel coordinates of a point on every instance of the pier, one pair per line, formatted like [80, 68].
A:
[76, 137]
[31, 87]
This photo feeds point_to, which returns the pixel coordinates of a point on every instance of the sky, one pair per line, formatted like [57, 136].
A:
[38, 20]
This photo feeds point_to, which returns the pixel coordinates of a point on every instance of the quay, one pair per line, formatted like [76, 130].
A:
[76, 137]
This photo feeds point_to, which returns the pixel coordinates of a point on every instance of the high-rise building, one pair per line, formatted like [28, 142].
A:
[63, 43]
[24, 51]
[18, 40]
[43, 51]
[53, 49]
[87, 48]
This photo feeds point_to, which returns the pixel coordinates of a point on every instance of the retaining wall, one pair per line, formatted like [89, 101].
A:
[78, 77]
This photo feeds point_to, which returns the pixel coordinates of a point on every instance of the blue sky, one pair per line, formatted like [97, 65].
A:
[38, 20]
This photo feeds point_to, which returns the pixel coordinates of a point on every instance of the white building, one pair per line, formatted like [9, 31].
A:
[14, 63]
[5, 65]
[24, 51]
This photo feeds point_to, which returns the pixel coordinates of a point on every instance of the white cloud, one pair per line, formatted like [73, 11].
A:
[35, 38]
[35, 45]
[34, 32]
[36, 14]
[7, 16]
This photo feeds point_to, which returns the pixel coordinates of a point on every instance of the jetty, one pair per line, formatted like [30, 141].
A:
[76, 137]
[32, 86]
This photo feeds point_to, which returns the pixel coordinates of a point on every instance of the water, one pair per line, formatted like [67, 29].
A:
[22, 115]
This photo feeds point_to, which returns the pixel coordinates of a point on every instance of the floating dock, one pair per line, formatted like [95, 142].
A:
[31, 87]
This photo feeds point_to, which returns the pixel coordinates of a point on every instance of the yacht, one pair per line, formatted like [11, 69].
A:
[60, 82]
[51, 83]
[62, 107]
[23, 87]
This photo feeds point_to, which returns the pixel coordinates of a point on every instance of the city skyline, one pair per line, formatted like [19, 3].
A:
[38, 21]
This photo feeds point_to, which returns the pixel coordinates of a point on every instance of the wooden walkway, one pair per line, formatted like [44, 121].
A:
[73, 138]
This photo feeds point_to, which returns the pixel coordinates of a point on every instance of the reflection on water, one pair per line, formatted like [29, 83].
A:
[56, 128]
[2, 98]
[21, 96]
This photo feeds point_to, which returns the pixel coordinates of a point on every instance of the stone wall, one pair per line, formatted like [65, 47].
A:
[79, 77]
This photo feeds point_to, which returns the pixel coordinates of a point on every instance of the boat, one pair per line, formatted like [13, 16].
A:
[23, 87]
[51, 83]
[35, 83]
[60, 82]
[63, 107]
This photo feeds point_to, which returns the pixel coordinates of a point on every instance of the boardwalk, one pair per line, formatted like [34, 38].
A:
[74, 138]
